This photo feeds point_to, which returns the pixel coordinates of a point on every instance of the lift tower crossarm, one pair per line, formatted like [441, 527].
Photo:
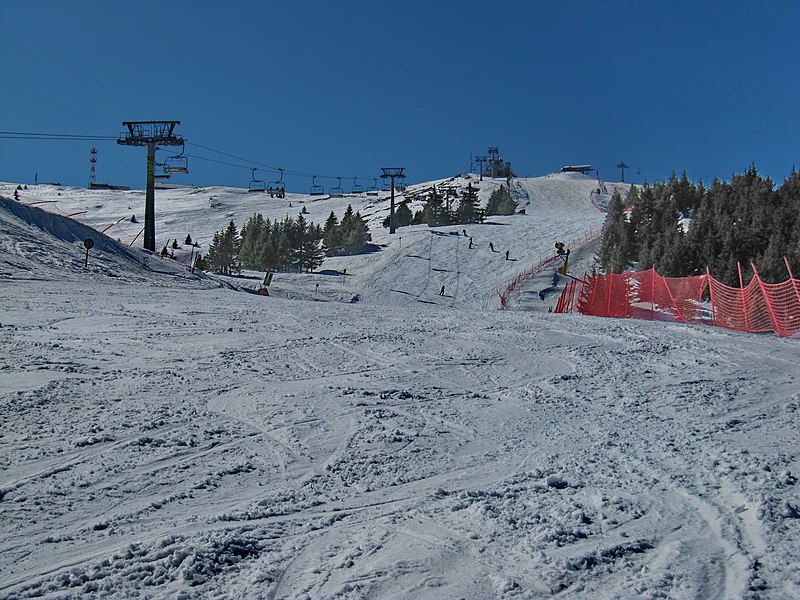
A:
[150, 133]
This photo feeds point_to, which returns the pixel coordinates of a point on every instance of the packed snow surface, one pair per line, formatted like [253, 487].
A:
[168, 435]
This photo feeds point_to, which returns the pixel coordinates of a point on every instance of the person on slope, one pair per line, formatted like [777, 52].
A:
[441, 291]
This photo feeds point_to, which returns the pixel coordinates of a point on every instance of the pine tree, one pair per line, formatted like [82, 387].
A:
[222, 255]
[346, 226]
[357, 237]
[188, 241]
[403, 216]
[254, 239]
[501, 202]
[434, 212]
[331, 236]
[468, 209]
[616, 247]
[299, 243]
[313, 253]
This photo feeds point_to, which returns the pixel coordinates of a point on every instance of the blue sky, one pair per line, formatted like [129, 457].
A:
[344, 88]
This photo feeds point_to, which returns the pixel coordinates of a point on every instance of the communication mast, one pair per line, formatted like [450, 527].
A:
[92, 164]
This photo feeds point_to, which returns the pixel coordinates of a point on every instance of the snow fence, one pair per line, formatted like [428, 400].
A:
[543, 262]
[758, 307]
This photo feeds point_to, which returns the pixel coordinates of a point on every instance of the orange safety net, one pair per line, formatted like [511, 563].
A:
[758, 307]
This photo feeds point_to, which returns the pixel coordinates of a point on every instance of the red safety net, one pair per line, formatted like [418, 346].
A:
[758, 307]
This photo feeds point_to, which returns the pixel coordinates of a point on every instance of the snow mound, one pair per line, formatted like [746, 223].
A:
[36, 244]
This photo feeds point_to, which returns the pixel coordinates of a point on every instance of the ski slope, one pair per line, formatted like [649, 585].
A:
[410, 266]
[166, 435]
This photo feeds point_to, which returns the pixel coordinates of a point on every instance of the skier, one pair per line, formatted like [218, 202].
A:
[464, 232]
[441, 291]
[491, 246]
[470, 244]
[507, 252]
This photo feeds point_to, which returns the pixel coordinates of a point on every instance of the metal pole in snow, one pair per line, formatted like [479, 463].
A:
[791, 277]
[775, 324]
[741, 293]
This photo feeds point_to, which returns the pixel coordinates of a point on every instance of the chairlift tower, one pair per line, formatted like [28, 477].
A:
[148, 134]
[494, 158]
[392, 173]
[92, 165]
[622, 166]
[481, 160]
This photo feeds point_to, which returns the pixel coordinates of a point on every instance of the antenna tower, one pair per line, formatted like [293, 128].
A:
[92, 164]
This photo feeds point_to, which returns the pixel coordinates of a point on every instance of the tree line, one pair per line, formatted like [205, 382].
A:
[681, 228]
[291, 244]
[439, 207]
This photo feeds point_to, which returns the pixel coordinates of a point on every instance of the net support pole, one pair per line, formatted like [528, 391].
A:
[710, 283]
[653, 295]
[793, 280]
[678, 314]
[775, 324]
[741, 294]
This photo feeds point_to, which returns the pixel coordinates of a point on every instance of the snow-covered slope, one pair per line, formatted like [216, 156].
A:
[164, 437]
[410, 266]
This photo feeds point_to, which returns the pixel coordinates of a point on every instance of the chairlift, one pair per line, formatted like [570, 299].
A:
[277, 188]
[160, 172]
[357, 187]
[316, 190]
[256, 185]
[177, 163]
[401, 185]
[336, 191]
[373, 189]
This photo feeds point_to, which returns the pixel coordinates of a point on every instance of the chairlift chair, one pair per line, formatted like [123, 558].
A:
[316, 190]
[277, 188]
[336, 191]
[373, 189]
[256, 185]
[401, 185]
[161, 172]
[177, 163]
[357, 187]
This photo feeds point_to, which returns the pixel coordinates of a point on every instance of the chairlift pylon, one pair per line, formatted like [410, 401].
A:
[277, 188]
[256, 185]
[316, 190]
[336, 191]
[357, 187]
